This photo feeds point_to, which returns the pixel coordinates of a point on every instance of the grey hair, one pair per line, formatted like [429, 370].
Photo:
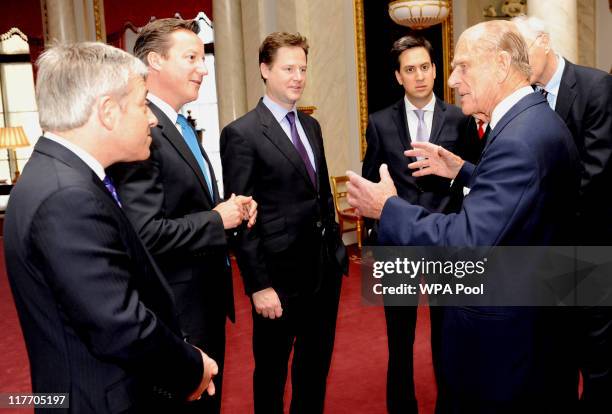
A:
[530, 27]
[503, 36]
[72, 76]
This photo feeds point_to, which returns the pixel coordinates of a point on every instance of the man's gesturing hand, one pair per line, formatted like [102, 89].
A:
[367, 197]
[436, 160]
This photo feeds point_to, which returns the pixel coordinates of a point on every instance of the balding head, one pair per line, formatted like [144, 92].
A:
[490, 63]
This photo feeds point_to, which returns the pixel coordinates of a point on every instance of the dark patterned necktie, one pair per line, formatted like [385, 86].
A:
[299, 146]
[111, 189]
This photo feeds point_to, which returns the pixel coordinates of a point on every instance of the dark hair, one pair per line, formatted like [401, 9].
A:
[276, 40]
[155, 36]
[409, 42]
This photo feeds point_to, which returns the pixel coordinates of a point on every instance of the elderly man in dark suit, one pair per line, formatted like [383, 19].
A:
[582, 97]
[98, 318]
[418, 117]
[293, 259]
[172, 198]
[523, 192]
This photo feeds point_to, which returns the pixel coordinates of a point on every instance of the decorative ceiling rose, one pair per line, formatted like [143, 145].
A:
[418, 14]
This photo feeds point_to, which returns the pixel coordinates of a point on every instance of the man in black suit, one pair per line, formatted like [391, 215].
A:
[418, 116]
[582, 97]
[98, 318]
[293, 259]
[172, 198]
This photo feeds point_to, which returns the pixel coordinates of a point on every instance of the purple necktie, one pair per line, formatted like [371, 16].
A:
[111, 189]
[299, 146]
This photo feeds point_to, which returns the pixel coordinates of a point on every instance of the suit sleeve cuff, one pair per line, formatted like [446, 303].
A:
[465, 174]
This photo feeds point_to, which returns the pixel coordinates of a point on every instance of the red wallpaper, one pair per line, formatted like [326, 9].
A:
[138, 12]
[25, 15]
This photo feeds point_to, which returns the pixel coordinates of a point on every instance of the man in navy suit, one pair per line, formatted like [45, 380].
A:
[523, 192]
[582, 97]
[98, 318]
[419, 116]
[173, 200]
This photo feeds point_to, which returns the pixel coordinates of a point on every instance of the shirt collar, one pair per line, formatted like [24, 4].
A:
[553, 84]
[508, 102]
[278, 111]
[429, 107]
[164, 107]
[86, 157]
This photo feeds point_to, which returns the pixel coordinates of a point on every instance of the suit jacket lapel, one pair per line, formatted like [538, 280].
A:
[59, 152]
[439, 116]
[526, 102]
[64, 155]
[567, 94]
[273, 131]
[171, 133]
[401, 123]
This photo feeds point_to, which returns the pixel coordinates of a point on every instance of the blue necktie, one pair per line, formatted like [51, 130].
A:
[111, 189]
[301, 149]
[192, 143]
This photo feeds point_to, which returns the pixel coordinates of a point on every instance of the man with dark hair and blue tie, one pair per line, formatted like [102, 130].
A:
[172, 198]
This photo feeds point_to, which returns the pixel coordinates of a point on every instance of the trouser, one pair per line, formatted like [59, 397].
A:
[307, 326]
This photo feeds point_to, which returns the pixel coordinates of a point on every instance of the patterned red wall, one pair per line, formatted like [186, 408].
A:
[138, 12]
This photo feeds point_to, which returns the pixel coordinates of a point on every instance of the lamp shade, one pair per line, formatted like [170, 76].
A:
[13, 137]
[418, 14]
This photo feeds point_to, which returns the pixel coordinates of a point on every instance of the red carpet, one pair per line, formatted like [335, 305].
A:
[357, 378]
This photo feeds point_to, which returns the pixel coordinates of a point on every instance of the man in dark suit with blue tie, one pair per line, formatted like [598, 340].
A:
[293, 259]
[172, 198]
[422, 117]
[582, 97]
[523, 192]
[98, 318]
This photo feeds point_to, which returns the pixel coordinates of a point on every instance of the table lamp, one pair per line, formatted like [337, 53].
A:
[11, 138]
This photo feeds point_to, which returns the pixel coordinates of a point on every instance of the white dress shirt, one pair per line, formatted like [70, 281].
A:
[172, 116]
[413, 120]
[552, 87]
[508, 102]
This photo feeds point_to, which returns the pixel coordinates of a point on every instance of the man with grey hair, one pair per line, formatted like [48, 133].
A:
[582, 97]
[494, 359]
[98, 318]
